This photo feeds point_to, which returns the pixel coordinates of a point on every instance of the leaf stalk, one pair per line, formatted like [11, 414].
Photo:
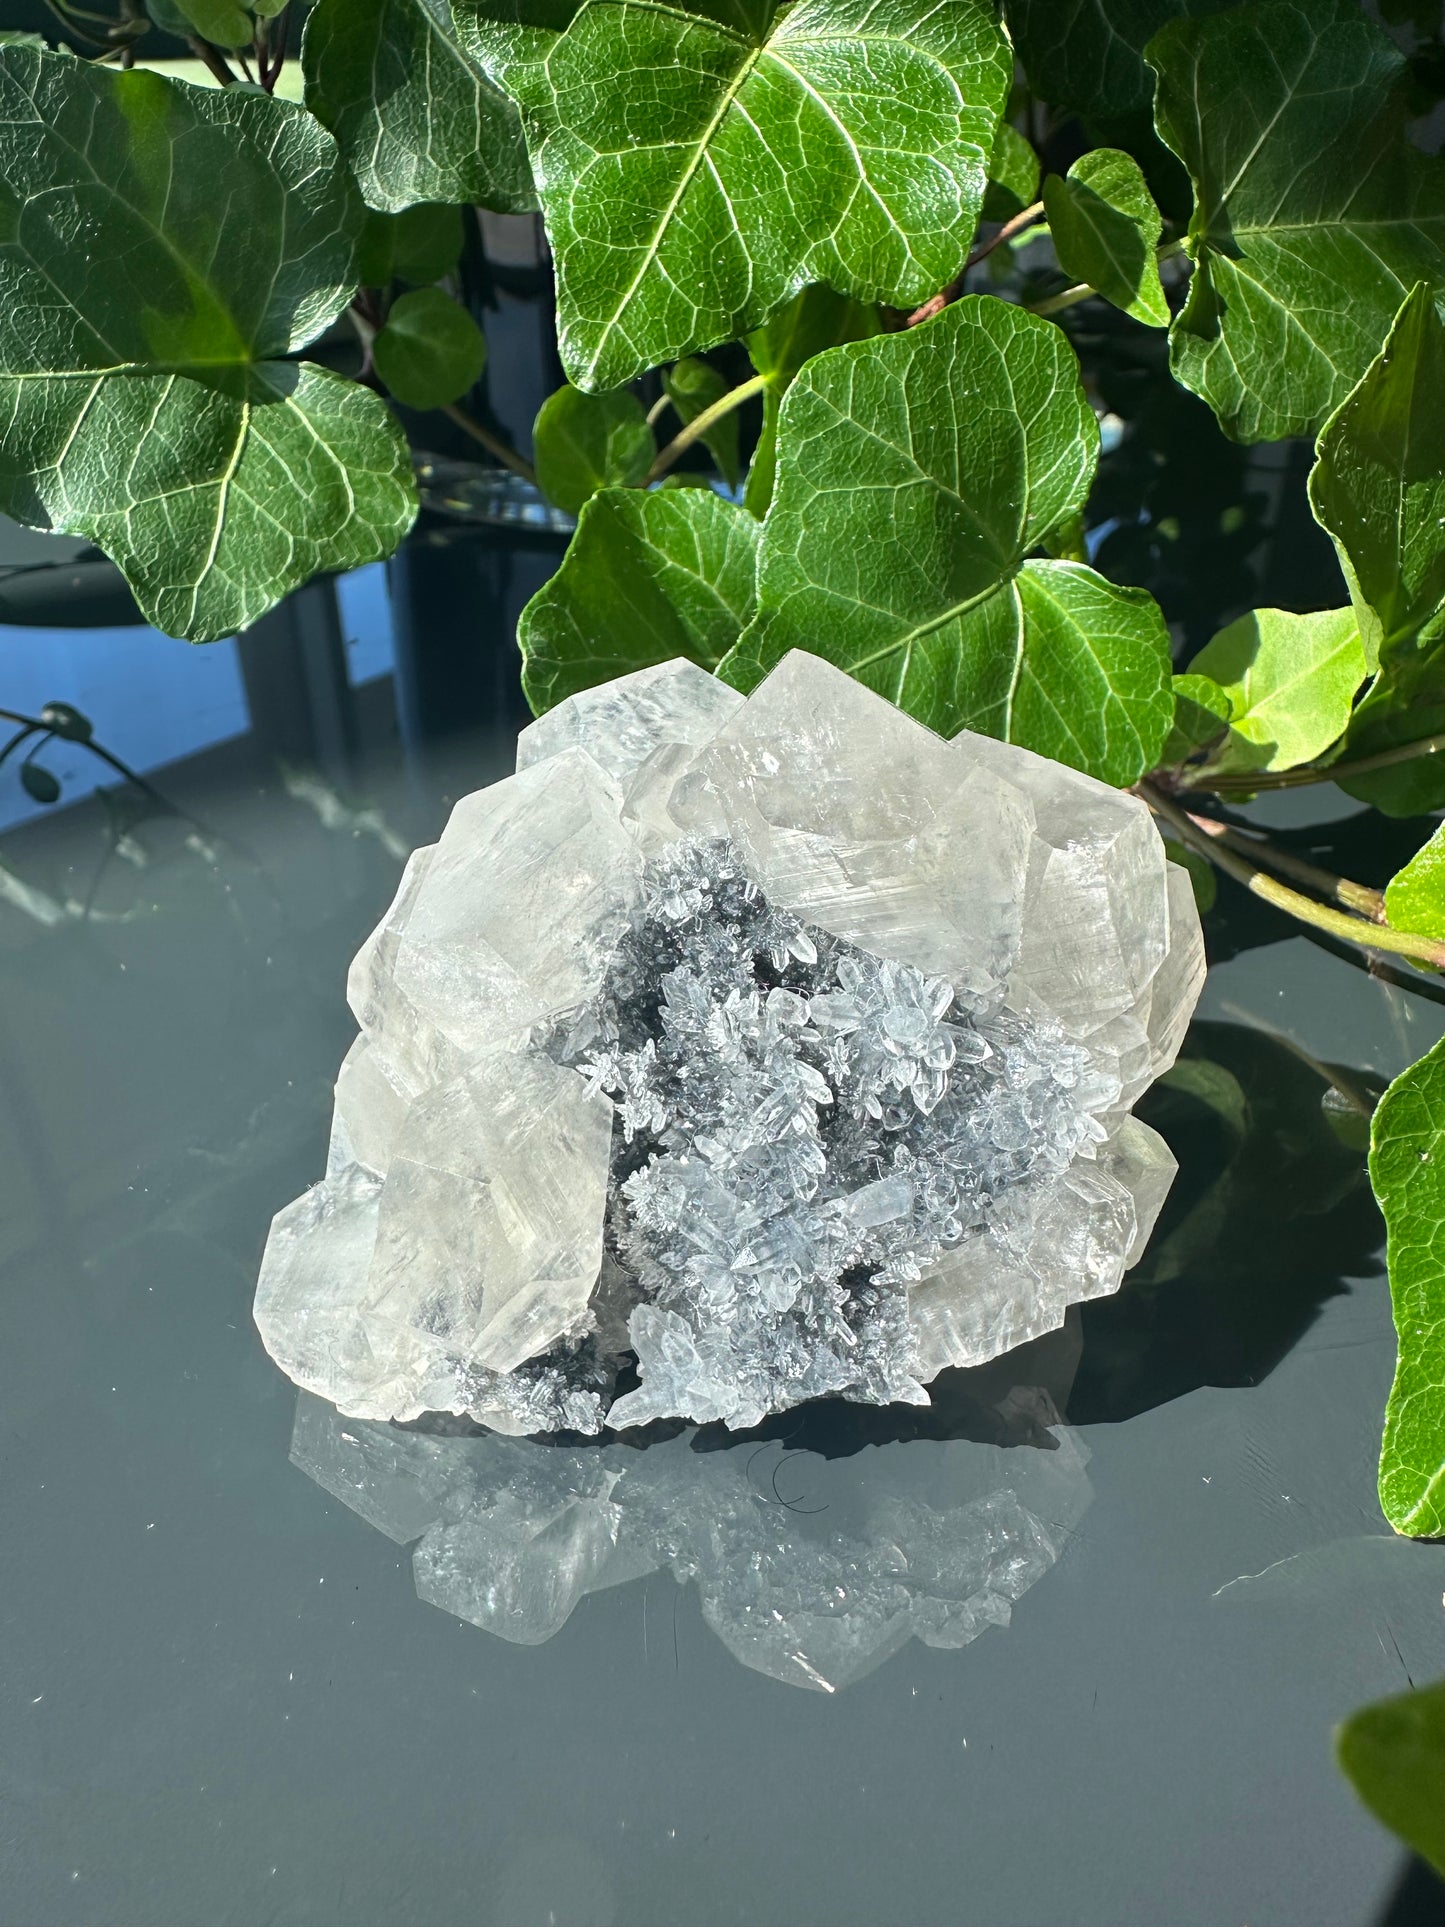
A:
[1334, 923]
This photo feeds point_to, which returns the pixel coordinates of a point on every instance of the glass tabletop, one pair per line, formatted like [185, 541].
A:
[1066, 1647]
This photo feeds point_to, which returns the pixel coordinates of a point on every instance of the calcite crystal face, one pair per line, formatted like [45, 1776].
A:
[734, 1053]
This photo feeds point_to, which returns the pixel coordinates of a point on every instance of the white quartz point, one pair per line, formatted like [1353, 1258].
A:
[1110, 926]
[309, 1301]
[530, 883]
[490, 1233]
[858, 819]
[621, 723]
[371, 1103]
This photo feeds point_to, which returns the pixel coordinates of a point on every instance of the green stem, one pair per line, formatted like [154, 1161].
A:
[1289, 779]
[494, 445]
[1358, 897]
[1068, 298]
[694, 430]
[1335, 923]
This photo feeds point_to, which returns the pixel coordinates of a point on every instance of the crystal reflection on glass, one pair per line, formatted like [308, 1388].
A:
[809, 1568]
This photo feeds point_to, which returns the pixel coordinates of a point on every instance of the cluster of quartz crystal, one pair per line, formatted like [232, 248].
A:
[734, 1052]
[813, 1584]
[805, 1129]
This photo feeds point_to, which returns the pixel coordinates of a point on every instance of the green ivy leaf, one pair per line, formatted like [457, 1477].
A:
[1378, 485]
[40, 784]
[1379, 488]
[816, 319]
[698, 164]
[420, 244]
[414, 115]
[1313, 211]
[647, 577]
[222, 22]
[1415, 896]
[1201, 719]
[148, 402]
[693, 385]
[1087, 56]
[1393, 1755]
[916, 472]
[1106, 229]
[586, 442]
[1289, 682]
[1013, 175]
[1407, 1171]
[430, 351]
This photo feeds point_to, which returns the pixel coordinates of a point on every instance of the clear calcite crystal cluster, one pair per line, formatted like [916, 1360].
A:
[733, 1053]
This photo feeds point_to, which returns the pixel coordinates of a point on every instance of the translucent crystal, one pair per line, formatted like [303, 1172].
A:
[731, 1054]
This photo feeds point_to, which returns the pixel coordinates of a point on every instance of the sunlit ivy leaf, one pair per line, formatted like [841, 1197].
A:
[647, 577]
[1106, 228]
[1393, 1754]
[1407, 1170]
[419, 244]
[1379, 488]
[916, 473]
[414, 114]
[430, 351]
[162, 248]
[1201, 719]
[1288, 682]
[693, 385]
[1314, 214]
[1379, 483]
[1415, 896]
[586, 442]
[698, 164]
[816, 319]
[1013, 175]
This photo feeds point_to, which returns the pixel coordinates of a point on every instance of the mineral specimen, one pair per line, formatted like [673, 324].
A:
[733, 1053]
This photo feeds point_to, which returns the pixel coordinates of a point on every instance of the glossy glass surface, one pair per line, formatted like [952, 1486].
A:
[224, 1700]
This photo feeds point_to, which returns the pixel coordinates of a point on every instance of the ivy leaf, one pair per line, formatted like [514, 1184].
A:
[1415, 896]
[414, 115]
[1393, 1755]
[916, 472]
[430, 350]
[1013, 175]
[147, 402]
[1201, 719]
[1087, 57]
[1378, 485]
[1105, 230]
[816, 319]
[1289, 682]
[693, 385]
[586, 442]
[1379, 488]
[420, 244]
[1407, 1171]
[698, 164]
[222, 22]
[647, 577]
[40, 784]
[1313, 211]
